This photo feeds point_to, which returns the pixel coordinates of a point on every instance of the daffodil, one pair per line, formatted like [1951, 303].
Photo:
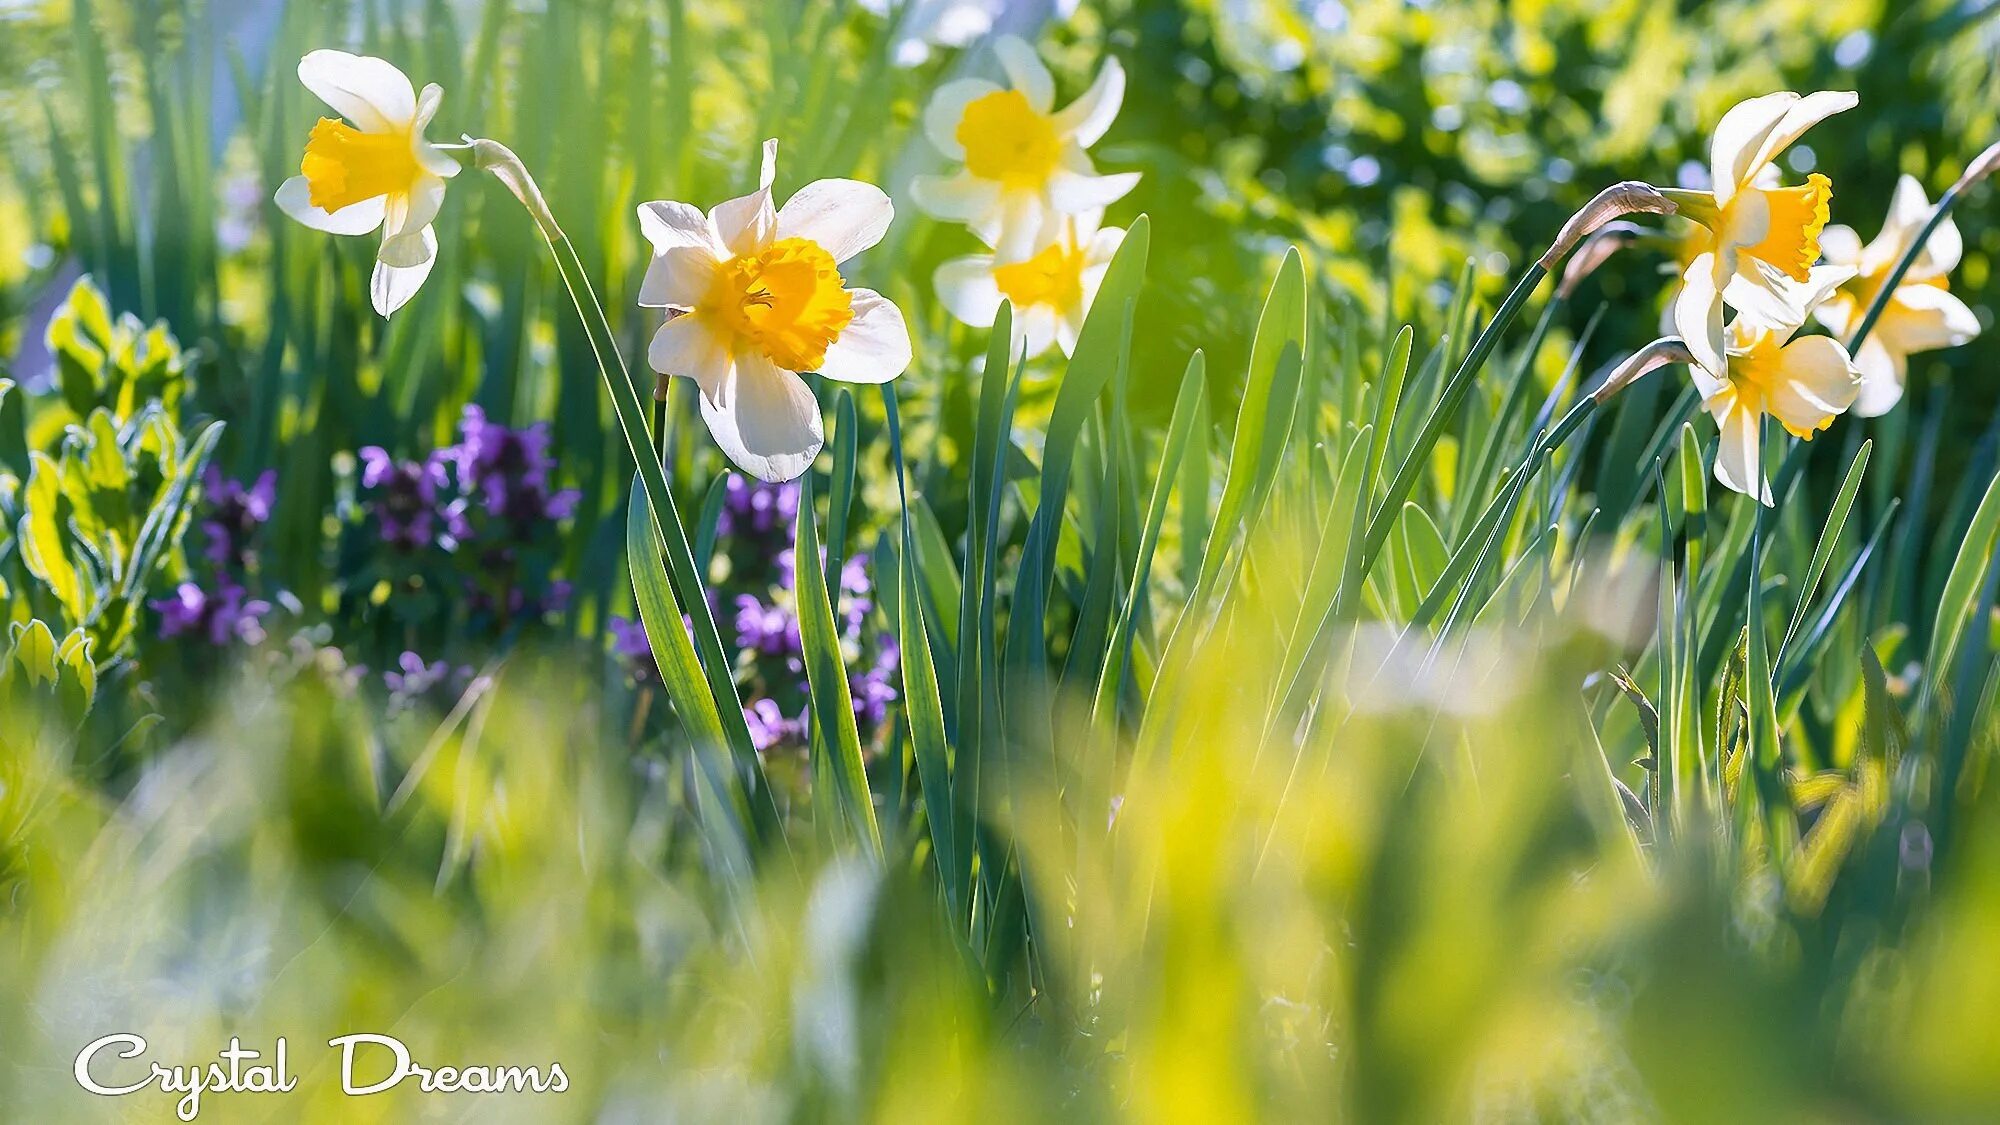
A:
[754, 296]
[1760, 236]
[1802, 381]
[374, 170]
[1024, 161]
[1051, 291]
[1922, 314]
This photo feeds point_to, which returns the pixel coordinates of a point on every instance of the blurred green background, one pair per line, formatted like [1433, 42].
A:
[1469, 900]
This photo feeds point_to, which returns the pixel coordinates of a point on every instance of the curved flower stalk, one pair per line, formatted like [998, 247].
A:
[1921, 313]
[1803, 382]
[1051, 291]
[1758, 235]
[754, 297]
[374, 170]
[1024, 161]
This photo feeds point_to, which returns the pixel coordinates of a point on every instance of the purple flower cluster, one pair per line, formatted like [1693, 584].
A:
[757, 524]
[632, 650]
[770, 728]
[415, 680]
[507, 470]
[489, 502]
[770, 631]
[233, 513]
[224, 617]
[405, 504]
[754, 510]
[224, 613]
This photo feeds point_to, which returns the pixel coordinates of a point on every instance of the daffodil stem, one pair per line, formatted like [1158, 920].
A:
[632, 420]
[1903, 264]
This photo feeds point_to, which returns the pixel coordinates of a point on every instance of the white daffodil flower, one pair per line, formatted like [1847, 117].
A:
[1024, 161]
[1051, 291]
[1803, 382]
[1759, 235]
[374, 170]
[1922, 314]
[754, 296]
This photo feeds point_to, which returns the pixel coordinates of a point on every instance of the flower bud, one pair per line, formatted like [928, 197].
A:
[1981, 167]
[1659, 353]
[1622, 198]
[1595, 251]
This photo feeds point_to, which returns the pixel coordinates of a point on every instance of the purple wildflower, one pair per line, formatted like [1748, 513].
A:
[768, 629]
[234, 513]
[406, 504]
[414, 679]
[874, 690]
[769, 727]
[508, 470]
[754, 508]
[222, 618]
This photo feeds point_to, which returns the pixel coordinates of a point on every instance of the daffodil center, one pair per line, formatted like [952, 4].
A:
[344, 166]
[785, 301]
[1052, 277]
[1797, 215]
[1006, 140]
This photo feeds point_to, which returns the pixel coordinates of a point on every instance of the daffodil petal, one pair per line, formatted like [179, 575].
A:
[1101, 244]
[1838, 313]
[413, 211]
[368, 91]
[1816, 381]
[1067, 330]
[428, 100]
[1086, 119]
[947, 109]
[966, 288]
[1923, 317]
[1698, 315]
[1020, 226]
[1839, 244]
[844, 216]
[747, 223]
[1883, 373]
[667, 224]
[677, 278]
[685, 347]
[391, 287]
[961, 198]
[767, 421]
[1739, 136]
[1801, 115]
[1035, 329]
[1738, 463]
[1026, 72]
[1072, 191]
[356, 218]
[875, 345]
[1909, 210]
